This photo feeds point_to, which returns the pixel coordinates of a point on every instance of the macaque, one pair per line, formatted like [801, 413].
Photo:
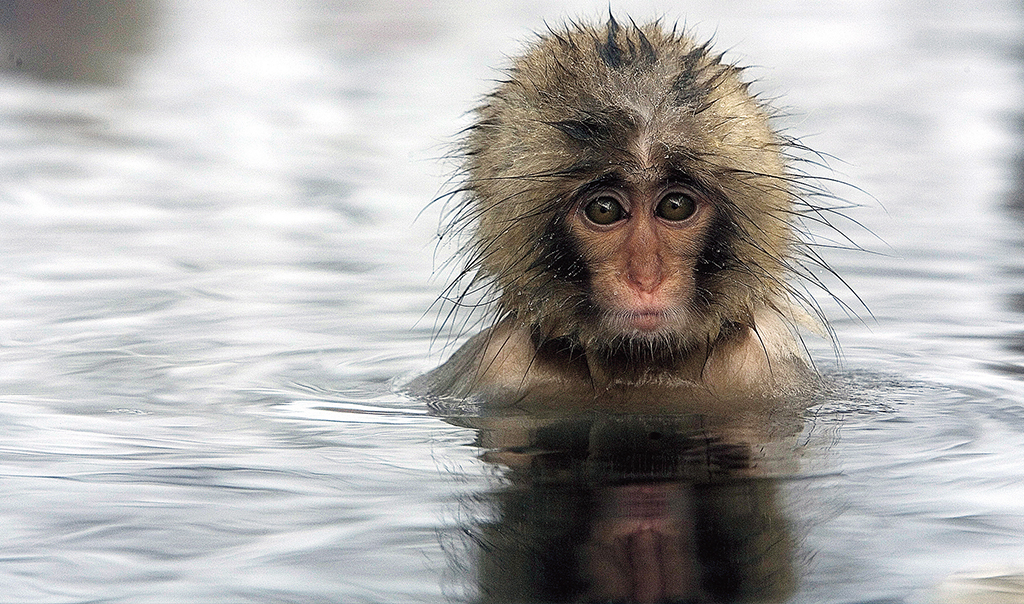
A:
[633, 214]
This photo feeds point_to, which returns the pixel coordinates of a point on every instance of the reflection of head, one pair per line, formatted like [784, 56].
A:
[632, 509]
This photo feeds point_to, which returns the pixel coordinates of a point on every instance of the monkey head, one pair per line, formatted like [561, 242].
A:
[626, 194]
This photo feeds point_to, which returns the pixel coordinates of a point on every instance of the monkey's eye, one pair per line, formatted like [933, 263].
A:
[676, 207]
[604, 210]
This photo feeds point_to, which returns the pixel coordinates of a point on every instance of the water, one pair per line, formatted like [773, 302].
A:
[213, 275]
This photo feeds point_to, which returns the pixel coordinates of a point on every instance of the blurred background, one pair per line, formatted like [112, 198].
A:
[215, 266]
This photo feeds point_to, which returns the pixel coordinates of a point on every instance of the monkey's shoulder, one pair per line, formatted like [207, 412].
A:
[497, 364]
[503, 366]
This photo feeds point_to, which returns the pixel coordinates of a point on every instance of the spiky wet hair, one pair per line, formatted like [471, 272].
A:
[586, 103]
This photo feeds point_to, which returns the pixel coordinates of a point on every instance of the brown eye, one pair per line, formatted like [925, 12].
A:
[676, 207]
[604, 210]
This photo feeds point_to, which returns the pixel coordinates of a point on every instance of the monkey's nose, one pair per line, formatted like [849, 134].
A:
[644, 274]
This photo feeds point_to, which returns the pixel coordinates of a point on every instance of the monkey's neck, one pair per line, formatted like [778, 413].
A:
[625, 362]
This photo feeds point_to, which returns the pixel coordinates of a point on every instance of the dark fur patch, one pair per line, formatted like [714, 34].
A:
[563, 350]
[589, 131]
[717, 255]
[559, 255]
[647, 53]
[602, 129]
[687, 91]
[616, 54]
[633, 358]
[609, 50]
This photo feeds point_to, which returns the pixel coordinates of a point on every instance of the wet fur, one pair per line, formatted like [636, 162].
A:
[591, 105]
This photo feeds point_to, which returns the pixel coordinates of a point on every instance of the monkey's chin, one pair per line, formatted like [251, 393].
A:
[645, 323]
[641, 342]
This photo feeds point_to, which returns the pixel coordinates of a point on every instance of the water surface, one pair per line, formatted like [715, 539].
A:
[214, 271]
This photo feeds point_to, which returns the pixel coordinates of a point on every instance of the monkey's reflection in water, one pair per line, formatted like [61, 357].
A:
[628, 509]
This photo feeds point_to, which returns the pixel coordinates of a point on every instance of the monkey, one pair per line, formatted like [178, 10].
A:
[635, 218]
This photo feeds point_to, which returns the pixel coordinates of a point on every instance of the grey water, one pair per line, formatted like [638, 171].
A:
[216, 270]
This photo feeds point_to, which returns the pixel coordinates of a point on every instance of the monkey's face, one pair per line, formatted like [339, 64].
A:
[641, 243]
